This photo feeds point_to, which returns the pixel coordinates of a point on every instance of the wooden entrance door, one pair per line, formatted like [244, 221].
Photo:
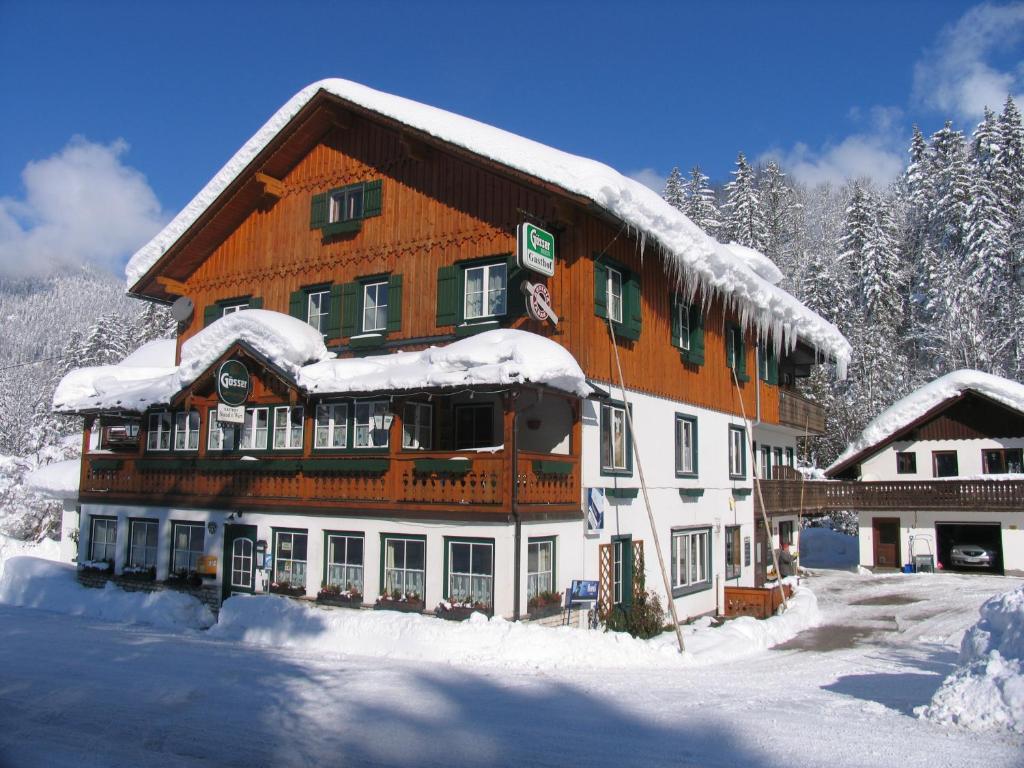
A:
[886, 531]
[239, 571]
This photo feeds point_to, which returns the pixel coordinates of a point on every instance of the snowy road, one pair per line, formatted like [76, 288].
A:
[75, 692]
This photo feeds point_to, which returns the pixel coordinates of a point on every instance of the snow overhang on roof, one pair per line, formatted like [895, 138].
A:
[695, 260]
[924, 402]
[499, 357]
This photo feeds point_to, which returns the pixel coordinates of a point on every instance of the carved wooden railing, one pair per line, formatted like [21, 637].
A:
[548, 479]
[885, 496]
[800, 413]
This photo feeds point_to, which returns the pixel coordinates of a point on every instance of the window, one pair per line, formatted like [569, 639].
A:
[691, 561]
[777, 457]
[474, 426]
[346, 204]
[188, 543]
[345, 561]
[613, 291]
[615, 441]
[686, 445]
[230, 309]
[331, 426]
[767, 364]
[732, 552]
[417, 425]
[225, 307]
[158, 436]
[375, 307]
[471, 573]
[766, 462]
[372, 422]
[737, 452]
[103, 539]
[404, 567]
[288, 423]
[790, 458]
[142, 537]
[485, 291]
[318, 308]
[540, 567]
[1001, 461]
[687, 330]
[944, 464]
[290, 558]
[186, 431]
[735, 351]
[906, 463]
[683, 324]
[786, 532]
[619, 554]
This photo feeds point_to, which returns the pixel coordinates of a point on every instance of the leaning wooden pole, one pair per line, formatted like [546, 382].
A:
[803, 485]
[643, 486]
[757, 486]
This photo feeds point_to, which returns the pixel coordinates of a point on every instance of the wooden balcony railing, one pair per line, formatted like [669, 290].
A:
[420, 480]
[800, 413]
[814, 496]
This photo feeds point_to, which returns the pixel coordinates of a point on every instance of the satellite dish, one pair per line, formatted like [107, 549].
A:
[181, 309]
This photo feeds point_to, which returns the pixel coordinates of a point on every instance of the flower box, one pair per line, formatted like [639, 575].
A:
[404, 606]
[191, 580]
[544, 604]
[450, 612]
[288, 590]
[543, 611]
[139, 574]
[339, 599]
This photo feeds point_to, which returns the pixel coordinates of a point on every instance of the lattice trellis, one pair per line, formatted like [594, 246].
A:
[639, 581]
[604, 581]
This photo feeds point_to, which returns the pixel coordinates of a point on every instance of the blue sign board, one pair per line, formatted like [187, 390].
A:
[595, 509]
[582, 591]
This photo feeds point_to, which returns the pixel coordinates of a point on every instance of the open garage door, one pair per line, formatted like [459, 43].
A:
[959, 545]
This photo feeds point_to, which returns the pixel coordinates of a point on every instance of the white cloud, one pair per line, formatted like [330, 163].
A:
[82, 205]
[649, 178]
[857, 156]
[959, 75]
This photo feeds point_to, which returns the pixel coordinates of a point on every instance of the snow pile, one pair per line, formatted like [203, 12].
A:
[919, 402]
[35, 583]
[696, 259]
[986, 692]
[501, 356]
[47, 549]
[758, 262]
[825, 548]
[58, 480]
[278, 622]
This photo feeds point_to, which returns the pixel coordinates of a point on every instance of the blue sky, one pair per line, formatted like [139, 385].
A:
[168, 91]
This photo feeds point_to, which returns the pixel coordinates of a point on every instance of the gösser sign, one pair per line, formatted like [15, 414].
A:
[233, 383]
[536, 249]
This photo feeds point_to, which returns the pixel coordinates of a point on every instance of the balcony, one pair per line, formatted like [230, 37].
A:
[800, 413]
[821, 496]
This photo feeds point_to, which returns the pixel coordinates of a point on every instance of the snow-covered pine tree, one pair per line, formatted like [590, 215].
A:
[743, 212]
[673, 193]
[699, 202]
[780, 205]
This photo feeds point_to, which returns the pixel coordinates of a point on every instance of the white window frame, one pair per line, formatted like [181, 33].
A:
[186, 433]
[471, 576]
[618, 554]
[375, 306]
[614, 294]
[737, 452]
[107, 548]
[685, 543]
[683, 319]
[159, 438]
[686, 449]
[230, 309]
[318, 311]
[615, 432]
[285, 436]
[489, 297]
[196, 531]
[766, 462]
[347, 204]
[331, 425]
[538, 578]
[344, 572]
[364, 416]
[149, 553]
[417, 430]
[732, 539]
[395, 572]
[250, 427]
[294, 570]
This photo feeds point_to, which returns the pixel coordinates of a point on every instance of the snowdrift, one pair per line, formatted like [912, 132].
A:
[57, 480]
[282, 623]
[34, 583]
[47, 549]
[986, 692]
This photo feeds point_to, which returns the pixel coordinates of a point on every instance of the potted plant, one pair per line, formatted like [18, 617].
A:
[396, 600]
[333, 594]
[105, 567]
[139, 573]
[460, 611]
[543, 604]
[288, 589]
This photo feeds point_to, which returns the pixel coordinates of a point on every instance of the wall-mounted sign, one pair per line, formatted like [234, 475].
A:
[595, 509]
[582, 591]
[230, 414]
[535, 249]
[233, 382]
[538, 302]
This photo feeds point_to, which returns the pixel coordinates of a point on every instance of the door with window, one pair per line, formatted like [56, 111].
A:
[887, 541]
[239, 560]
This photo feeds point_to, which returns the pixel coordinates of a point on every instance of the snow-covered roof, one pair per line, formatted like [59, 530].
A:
[694, 258]
[906, 411]
[58, 480]
[498, 357]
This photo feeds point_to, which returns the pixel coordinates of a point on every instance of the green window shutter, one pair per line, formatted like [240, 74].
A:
[600, 290]
[627, 572]
[516, 299]
[632, 310]
[773, 369]
[256, 302]
[394, 303]
[318, 211]
[372, 198]
[447, 296]
[297, 306]
[211, 313]
[741, 355]
[676, 330]
[730, 349]
[351, 301]
[696, 353]
[333, 329]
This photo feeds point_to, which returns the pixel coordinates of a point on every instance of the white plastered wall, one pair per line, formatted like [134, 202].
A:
[882, 465]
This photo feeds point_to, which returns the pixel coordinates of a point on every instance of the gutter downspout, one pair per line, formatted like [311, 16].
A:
[518, 537]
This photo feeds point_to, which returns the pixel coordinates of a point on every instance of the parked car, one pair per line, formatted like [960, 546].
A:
[972, 555]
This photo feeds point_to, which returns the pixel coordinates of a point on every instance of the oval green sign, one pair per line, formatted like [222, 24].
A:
[233, 382]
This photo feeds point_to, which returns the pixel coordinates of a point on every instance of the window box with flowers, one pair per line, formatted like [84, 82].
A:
[342, 597]
[396, 600]
[460, 611]
[544, 604]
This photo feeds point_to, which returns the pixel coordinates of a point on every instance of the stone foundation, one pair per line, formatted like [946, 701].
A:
[208, 595]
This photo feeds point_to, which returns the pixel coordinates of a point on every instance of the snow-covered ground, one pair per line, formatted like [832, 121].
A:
[78, 692]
